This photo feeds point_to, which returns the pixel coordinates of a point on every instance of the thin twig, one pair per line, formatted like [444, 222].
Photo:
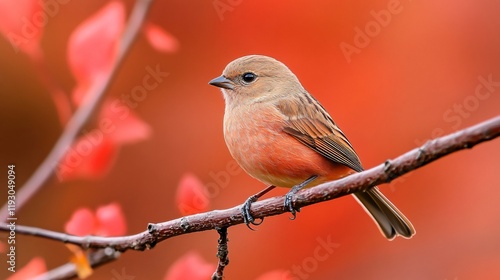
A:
[217, 219]
[222, 253]
[83, 114]
[68, 270]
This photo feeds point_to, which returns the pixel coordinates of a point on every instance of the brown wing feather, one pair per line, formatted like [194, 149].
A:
[313, 127]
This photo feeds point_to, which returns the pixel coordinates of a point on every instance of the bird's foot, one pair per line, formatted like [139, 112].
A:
[288, 204]
[245, 210]
[247, 216]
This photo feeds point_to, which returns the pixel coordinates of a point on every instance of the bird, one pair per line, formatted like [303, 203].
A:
[282, 136]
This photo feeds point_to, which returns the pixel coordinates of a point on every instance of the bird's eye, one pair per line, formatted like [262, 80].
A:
[248, 77]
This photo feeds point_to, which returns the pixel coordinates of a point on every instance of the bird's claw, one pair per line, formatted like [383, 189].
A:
[289, 196]
[247, 216]
[289, 206]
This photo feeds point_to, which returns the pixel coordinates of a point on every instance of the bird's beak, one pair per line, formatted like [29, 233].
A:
[222, 82]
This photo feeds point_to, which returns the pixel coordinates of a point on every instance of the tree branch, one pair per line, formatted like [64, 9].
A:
[84, 112]
[222, 253]
[217, 219]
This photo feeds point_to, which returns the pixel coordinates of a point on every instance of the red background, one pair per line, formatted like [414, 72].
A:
[394, 94]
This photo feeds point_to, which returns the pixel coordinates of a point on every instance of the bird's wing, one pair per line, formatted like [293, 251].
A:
[312, 126]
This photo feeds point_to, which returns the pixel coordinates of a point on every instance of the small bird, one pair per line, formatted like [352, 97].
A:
[281, 135]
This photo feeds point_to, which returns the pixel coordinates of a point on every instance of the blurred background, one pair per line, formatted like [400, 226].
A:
[393, 74]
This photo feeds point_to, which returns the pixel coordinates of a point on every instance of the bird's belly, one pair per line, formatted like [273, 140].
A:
[274, 157]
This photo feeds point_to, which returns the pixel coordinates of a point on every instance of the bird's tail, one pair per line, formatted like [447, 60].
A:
[389, 219]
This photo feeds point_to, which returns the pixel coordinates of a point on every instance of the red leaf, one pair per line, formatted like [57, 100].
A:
[276, 275]
[111, 220]
[34, 268]
[191, 266]
[80, 91]
[92, 47]
[121, 125]
[108, 220]
[81, 223]
[22, 23]
[90, 157]
[160, 39]
[192, 195]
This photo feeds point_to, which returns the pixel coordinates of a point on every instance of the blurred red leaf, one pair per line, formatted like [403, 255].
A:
[191, 266]
[276, 275]
[108, 220]
[80, 91]
[92, 47]
[81, 223]
[22, 23]
[35, 267]
[121, 125]
[160, 39]
[191, 196]
[90, 157]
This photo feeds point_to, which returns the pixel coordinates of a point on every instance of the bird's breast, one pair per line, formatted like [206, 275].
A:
[257, 141]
